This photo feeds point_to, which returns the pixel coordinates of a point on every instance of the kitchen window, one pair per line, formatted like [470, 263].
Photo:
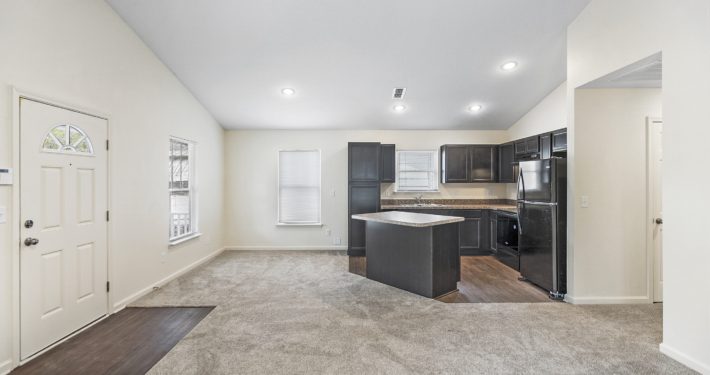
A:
[181, 186]
[299, 197]
[417, 171]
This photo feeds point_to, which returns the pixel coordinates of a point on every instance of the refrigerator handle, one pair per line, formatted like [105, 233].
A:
[521, 184]
[520, 221]
[520, 197]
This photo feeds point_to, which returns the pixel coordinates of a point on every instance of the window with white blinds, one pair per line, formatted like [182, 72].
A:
[299, 187]
[181, 185]
[417, 171]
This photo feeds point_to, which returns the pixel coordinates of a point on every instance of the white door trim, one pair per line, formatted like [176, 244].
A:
[15, 247]
[650, 217]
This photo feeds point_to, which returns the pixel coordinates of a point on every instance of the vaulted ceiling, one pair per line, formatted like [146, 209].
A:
[344, 58]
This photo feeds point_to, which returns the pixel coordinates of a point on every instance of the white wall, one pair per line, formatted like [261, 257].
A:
[251, 181]
[611, 170]
[550, 114]
[79, 52]
[609, 35]
[686, 109]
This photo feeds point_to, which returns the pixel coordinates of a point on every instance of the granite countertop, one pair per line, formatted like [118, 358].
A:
[409, 219]
[449, 204]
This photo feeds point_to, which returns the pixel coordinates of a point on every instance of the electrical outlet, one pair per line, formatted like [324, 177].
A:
[336, 241]
[584, 201]
[3, 214]
[332, 192]
[328, 232]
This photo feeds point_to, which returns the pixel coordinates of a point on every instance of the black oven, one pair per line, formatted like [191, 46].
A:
[507, 239]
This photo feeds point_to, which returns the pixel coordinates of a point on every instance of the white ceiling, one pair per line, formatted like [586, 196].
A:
[343, 58]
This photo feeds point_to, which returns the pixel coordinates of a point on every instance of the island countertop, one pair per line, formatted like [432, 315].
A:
[409, 219]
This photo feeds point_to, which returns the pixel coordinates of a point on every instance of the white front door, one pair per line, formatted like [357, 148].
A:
[63, 197]
[655, 132]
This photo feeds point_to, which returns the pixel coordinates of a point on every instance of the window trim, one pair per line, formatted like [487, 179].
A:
[320, 189]
[193, 193]
[435, 174]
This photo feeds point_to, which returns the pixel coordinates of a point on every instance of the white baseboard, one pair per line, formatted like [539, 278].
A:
[120, 305]
[5, 367]
[684, 359]
[265, 248]
[623, 300]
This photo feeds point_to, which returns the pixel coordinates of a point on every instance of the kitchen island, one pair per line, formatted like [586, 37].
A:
[412, 251]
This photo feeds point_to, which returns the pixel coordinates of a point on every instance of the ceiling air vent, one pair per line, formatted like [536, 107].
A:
[398, 93]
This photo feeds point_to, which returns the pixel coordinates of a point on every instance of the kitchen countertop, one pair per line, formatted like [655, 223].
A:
[484, 206]
[409, 219]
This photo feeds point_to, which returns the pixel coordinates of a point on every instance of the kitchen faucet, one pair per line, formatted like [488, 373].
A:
[418, 199]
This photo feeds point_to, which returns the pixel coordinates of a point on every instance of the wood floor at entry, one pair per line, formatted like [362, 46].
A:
[483, 279]
[129, 342]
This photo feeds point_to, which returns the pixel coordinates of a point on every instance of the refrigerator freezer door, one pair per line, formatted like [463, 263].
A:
[537, 244]
[535, 182]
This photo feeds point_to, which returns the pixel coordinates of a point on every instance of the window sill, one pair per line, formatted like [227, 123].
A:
[299, 225]
[180, 240]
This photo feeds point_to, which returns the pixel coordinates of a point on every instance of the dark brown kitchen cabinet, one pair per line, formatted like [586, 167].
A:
[469, 163]
[362, 198]
[507, 168]
[527, 148]
[484, 163]
[387, 167]
[559, 140]
[473, 232]
[364, 162]
[454, 163]
[493, 231]
[546, 146]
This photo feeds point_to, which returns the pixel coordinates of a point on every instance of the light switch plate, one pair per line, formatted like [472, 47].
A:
[5, 176]
[584, 201]
[3, 214]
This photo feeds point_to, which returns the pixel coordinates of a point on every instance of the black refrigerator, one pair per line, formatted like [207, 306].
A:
[542, 229]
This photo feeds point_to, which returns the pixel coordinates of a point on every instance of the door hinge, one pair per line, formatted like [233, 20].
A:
[107, 144]
[107, 215]
[108, 286]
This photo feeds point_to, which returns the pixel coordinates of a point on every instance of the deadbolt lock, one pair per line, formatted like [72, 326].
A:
[29, 224]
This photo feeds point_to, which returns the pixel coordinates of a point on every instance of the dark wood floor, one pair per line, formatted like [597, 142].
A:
[129, 342]
[483, 279]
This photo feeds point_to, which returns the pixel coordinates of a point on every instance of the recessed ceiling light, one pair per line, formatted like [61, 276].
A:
[288, 91]
[399, 108]
[510, 65]
[475, 108]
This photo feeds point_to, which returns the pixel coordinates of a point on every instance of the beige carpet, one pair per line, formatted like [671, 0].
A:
[302, 312]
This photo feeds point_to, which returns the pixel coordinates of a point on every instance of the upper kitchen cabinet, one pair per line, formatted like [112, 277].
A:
[484, 163]
[387, 167]
[454, 162]
[507, 168]
[469, 163]
[364, 161]
[559, 140]
[545, 146]
[527, 148]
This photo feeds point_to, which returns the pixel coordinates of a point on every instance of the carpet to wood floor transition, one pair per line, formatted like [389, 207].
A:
[129, 342]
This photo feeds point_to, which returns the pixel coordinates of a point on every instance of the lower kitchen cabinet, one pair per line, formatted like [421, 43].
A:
[474, 232]
[362, 198]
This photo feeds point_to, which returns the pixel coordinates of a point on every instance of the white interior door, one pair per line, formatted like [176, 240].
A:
[63, 197]
[655, 190]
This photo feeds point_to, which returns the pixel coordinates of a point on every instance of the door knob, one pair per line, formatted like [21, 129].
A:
[659, 221]
[29, 241]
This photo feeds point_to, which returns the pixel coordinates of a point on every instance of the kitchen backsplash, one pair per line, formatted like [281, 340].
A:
[456, 191]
